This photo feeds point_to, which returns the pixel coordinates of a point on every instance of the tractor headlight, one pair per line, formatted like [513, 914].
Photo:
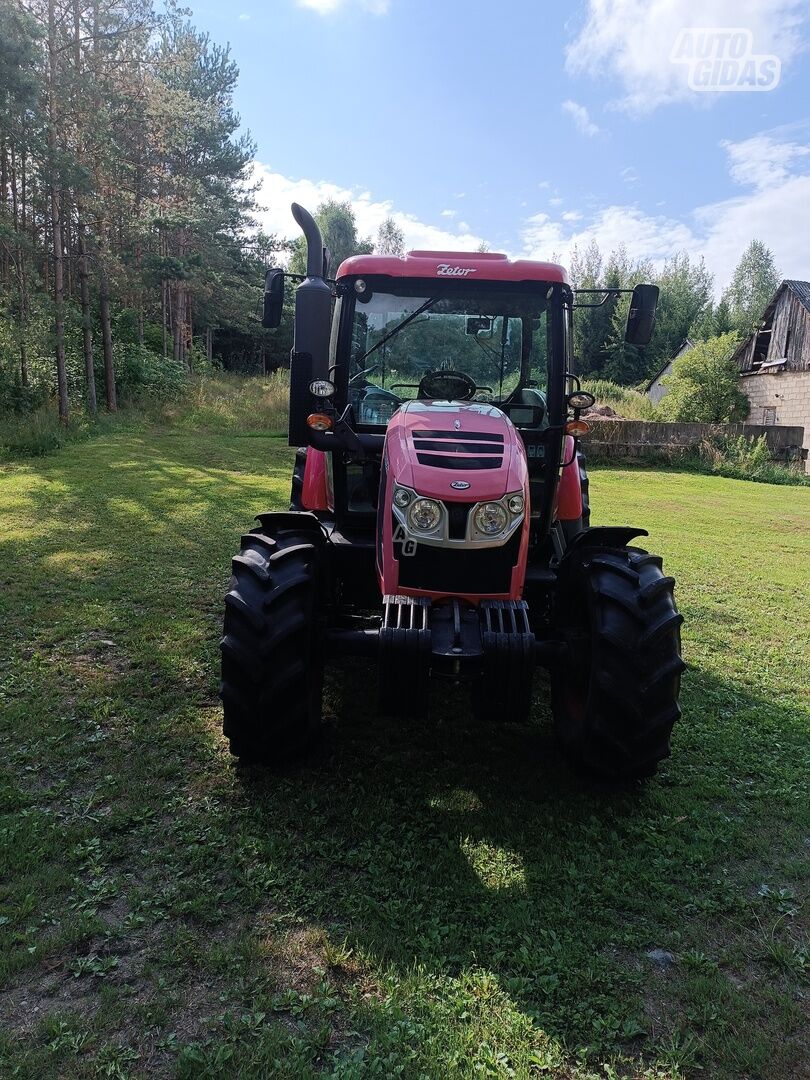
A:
[402, 496]
[424, 515]
[515, 504]
[490, 518]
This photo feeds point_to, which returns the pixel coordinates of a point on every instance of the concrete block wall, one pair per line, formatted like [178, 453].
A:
[788, 392]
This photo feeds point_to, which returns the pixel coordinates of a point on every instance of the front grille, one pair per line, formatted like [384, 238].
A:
[454, 570]
[446, 461]
[437, 448]
[457, 514]
[443, 449]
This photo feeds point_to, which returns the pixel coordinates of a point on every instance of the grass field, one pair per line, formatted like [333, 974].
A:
[421, 900]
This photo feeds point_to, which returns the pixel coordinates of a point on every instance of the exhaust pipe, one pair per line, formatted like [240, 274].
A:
[312, 234]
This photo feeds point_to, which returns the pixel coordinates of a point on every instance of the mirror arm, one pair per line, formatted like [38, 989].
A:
[608, 294]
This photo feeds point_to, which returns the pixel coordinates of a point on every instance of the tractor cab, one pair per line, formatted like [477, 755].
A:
[439, 519]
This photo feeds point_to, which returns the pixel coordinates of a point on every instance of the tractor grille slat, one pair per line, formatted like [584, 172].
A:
[459, 447]
[476, 436]
[445, 461]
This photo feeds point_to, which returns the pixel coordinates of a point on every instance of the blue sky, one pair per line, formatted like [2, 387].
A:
[529, 125]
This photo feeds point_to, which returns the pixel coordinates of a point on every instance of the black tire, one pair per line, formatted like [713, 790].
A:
[272, 662]
[615, 693]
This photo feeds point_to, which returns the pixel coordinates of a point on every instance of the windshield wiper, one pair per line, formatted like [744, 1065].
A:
[398, 327]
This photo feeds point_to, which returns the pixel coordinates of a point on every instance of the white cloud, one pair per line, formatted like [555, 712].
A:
[629, 175]
[775, 209]
[328, 7]
[632, 41]
[643, 235]
[244, 17]
[773, 204]
[582, 121]
[763, 160]
[449, 213]
[277, 191]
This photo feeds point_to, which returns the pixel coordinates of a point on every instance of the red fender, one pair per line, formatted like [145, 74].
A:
[313, 492]
[569, 491]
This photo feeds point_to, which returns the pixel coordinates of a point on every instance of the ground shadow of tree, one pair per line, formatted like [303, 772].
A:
[450, 846]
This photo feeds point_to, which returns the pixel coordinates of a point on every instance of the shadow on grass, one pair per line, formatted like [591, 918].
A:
[449, 848]
[486, 892]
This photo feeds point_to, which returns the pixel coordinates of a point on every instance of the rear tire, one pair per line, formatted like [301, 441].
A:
[615, 694]
[272, 662]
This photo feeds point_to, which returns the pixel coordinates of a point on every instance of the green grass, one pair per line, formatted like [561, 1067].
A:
[434, 899]
[219, 402]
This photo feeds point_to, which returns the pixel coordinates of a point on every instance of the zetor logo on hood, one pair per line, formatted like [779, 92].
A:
[445, 270]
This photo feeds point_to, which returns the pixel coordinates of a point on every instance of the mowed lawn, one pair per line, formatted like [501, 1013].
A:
[433, 899]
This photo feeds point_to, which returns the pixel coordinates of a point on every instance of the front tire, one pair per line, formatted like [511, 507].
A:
[615, 693]
[272, 662]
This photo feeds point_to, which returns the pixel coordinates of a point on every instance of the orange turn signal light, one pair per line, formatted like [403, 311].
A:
[319, 421]
[577, 427]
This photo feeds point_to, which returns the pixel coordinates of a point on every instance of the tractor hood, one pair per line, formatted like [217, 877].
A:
[455, 451]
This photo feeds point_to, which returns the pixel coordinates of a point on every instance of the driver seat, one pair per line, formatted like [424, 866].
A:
[527, 395]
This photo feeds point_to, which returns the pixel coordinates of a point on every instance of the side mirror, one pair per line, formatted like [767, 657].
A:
[641, 316]
[478, 324]
[273, 299]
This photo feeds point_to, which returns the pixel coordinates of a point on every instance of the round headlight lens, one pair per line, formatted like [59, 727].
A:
[515, 504]
[490, 518]
[402, 496]
[424, 514]
[321, 388]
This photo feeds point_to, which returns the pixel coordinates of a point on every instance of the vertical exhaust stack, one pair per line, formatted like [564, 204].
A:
[313, 314]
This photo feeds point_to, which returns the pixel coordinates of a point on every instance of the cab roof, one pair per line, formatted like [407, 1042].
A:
[454, 266]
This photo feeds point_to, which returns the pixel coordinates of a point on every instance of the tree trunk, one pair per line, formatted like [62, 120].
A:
[110, 394]
[87, 320]
[179, 318]
[56, 223]
[4, 255]
[22, 291]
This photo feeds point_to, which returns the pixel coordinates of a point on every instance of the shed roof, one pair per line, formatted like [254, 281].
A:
[682, 348]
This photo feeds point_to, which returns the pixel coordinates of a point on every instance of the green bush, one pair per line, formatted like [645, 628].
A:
[704, 386]
[18, 399]
[139, 372]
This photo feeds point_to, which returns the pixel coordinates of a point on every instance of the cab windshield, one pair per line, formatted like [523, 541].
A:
[468, 344]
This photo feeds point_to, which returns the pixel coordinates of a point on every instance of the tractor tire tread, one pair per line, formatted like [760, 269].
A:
[271, 647]
[620, 607]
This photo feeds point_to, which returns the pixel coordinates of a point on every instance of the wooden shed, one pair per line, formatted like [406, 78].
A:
[774, 361]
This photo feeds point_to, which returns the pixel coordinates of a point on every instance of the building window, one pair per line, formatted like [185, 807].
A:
[769, 414]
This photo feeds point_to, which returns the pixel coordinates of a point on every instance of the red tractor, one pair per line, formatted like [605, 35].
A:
[439, 516]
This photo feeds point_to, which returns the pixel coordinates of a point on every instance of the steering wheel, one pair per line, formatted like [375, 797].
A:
[446, 386]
